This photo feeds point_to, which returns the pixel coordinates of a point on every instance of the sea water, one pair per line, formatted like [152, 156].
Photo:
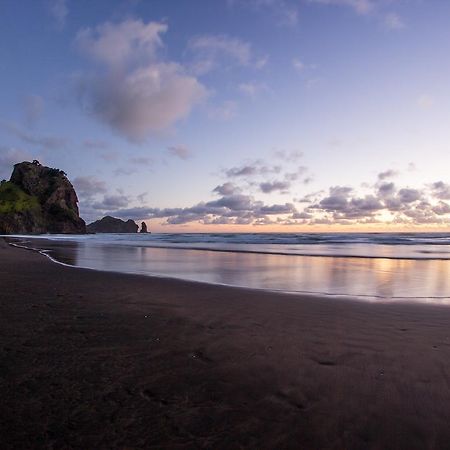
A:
[371, 266]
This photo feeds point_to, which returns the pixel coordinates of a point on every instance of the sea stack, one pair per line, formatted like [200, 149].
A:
[143, 228]
[38, 199]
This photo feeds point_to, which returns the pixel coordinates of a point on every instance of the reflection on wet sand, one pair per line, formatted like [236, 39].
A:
[370, 278]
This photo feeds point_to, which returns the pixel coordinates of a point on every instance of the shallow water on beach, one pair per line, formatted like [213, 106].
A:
[374, 269]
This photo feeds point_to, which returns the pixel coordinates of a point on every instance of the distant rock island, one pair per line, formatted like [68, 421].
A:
[38, 199]
[110, 224]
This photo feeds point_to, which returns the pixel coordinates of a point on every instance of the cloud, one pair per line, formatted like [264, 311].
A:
[253, 89]
[33, 107]
[132, 90]
[337, 198]
[238, 200]
[226, 111]
[341, 205]
[359, 6]
[302, 68]
[122, 43]
[142, 160]
[214, 46]
[242, 171]
[289, 156]
[95, 144]
[89, 186]
[406, 205]
[112, 202]
[294, 176]
[302, 215]
[284, 11]
[441, 190]
[234, 208]
[45, 142]
[277, 209]
[386, 189]
[255, 168]
[387, 174]
[214, 51]
[442, 208]
[125, 171]
[265, 177]
[269, 187]
[142, 197]
[109, 156]
[10, 156]
[180, 151]
[393, 21]
[407, 195]
[59, 10]
[227, 188]
[298, 65]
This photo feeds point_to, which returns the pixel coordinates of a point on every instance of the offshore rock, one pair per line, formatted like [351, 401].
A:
[143, 228]
[110, 224]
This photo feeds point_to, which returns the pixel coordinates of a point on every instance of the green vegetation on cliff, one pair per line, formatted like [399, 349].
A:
[14, 200]
[38, 199]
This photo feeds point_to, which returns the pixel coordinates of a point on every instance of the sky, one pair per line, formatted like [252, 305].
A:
[235, 115]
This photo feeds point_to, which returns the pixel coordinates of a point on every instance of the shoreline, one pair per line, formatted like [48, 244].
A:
[312, 295]
[94, 359]
[368, 298]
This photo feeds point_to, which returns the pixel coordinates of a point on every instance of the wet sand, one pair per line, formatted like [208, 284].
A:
[94, 360]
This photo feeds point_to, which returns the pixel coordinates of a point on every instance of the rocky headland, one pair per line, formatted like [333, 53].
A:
[39, 199]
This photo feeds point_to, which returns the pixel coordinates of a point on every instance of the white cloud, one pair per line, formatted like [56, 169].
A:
[214, 45]
[253, 88]
[298, 65]
[138, 94]
[393, 21]
[359, 6]
[213, 51]
[121, 43]
[225, 111]
[285, 12]
[374, 8]
[179, 151]
[58, 10]
[301, 67]
[45, 142]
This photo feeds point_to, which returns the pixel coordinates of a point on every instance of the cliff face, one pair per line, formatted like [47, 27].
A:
[39, 199]
[112, 225]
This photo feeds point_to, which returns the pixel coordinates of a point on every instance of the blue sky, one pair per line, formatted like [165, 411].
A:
[234, 115]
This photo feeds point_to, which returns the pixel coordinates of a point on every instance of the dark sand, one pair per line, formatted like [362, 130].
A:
[95, 360]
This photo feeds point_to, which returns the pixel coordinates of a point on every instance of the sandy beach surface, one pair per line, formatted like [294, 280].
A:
[97, 360]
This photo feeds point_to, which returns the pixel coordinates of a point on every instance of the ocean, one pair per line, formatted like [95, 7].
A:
[366, 266]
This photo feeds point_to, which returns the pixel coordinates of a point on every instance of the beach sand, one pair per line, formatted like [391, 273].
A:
[94, 360]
